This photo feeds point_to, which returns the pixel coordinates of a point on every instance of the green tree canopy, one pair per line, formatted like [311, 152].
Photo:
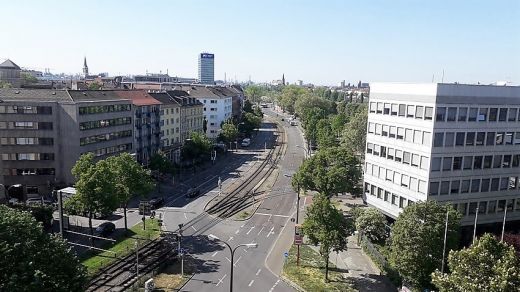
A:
[28, 78]
[487, 265]
[330, 171]
[325, 137]
[248, 106]
[251, 122]
[289, 95]
[338, 123]
[229, 132]
[254, 93]
[417, 240]
[372, 224]
[197, 146]
[326, 226]
[159, 162]
[130, 179]
[355, 133]
[95, 188]
[32, 260]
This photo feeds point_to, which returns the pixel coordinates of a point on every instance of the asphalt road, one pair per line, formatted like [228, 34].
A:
[255, 269]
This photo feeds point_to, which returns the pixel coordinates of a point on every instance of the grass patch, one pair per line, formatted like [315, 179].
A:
[243, 215]
[310, 275]
[170, 279]
[95, 260]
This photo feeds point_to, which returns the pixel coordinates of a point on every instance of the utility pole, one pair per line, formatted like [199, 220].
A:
[445, 235]
[504, 224]
[475, 225]
[297, 220]
[60, 211]
[179, 239]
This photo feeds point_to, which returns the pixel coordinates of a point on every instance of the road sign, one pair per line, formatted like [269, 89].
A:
[298, 235]
[293, 219]
[285, 254]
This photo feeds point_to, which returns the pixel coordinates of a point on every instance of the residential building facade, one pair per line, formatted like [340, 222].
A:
[454, 143]
[170, 123]
[192, 117]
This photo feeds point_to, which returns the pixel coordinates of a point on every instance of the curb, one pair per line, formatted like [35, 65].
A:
[186, 283]
[292, 284]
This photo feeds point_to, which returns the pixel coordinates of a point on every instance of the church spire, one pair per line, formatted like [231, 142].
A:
[85, 67]
[283, 79]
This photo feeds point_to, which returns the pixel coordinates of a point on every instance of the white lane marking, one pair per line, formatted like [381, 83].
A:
[258, 272]
[230, 238]
[228, 259]
[251, 283]
[272, 215]
[221, 279]
[238, 230]
[242, 225]
[185, 216]
[235, 264]
[275, 284]
[252, 227]
[260, 230]
[270, 232]
[214, 254]
[193, 228]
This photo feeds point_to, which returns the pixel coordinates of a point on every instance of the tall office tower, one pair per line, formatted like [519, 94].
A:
[206, 68]
[454, 143]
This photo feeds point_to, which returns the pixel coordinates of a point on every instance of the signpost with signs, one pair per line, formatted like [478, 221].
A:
[146, 209]
[298, 235]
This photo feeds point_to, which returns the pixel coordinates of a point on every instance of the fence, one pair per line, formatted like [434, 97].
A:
[380, 260]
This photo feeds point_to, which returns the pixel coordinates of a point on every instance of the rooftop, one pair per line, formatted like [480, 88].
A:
[138, 97]
[8, 64]
[22, 94]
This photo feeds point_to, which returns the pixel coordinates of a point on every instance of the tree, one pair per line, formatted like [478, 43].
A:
[253, 93]
[417, 240]
[130, 178]
[324, 135]
[331, 171]
[248, 106]
[372, 223]
[94, 86]
[326, 226]
[289, 96]
[338, 123]
[487, 265]
[251, 122]
[258, 112]
[196, 146]
[310, 118]
[159, 162]
[28, 78]
[355, 133]
[95, 188]
[229, 132]
[32, 260]
[4, 84]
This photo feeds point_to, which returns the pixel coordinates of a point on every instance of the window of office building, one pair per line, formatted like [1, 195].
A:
[481, 136]
[475, 185]
[470, 138]
[417, 137]
[445, 187]
[379, 129]
[487, 161]
[400, 133]
[409, 135]
[468, 161]
[473, 113]
[463, 114]
[424, 162]
[502, 115]
[472, 208]
[409, 111]
[504, 183]
[455, 186]
[463, 208]
[457, 163]
[483, 114]
[419, 112]
[506, 163]
[484, 187]
[509, 138]
[398, 155]
[449, 140]
[441, 114]
[495, 184]
[501, 206]
[477, 162]
[386, 109]
[499, 139]
[428, 113]
[452, 114]
[371, 128]
[393, 132]
[497, 161]
[446, 163]
[464, 187]
[406, 157]
[385, 131]
[459, 139]
[402, 202]
[402, 110]
[512, 115]
[493, 112]
[490, 138]
[427, 138]
[391, 153]
[436, 163]
[438, 139]
[395, 109]
[434, 188]
[416, 160]
[492, 207]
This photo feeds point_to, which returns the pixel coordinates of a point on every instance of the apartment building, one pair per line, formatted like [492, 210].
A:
[146, 123]
[454, 143]
[192, 117]
[44, 132]
[170, 123]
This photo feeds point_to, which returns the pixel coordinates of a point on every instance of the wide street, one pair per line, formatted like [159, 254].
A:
[255, 269]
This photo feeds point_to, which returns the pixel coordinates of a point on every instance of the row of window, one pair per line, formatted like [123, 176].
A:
[397, 155]
[100, 109]
[25, 109]
[475, 162]
[112, 149]
[27, 156]
[26, 141]
[400, 133]
[104, 123]
[475, 185]
[387, 196]
[26, 125]
[169, 111]
[168, 121]
[402, 110]
[450, 139]
[477, 114]
[104, 137]
[488, 207]
[29, 171]
[397, 178]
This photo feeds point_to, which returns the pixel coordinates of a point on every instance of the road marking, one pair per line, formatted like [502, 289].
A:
[271, 215]
[252, 227]
[235, 264]
[260, 230]
[270, 232]
[214, 254]
[242, 225]
[193, 228]
[228, 259]
[258, 272]
[185, 216]
[251, 283]
[238, 230]
[275, 284]
[221, 279]
[230, 238]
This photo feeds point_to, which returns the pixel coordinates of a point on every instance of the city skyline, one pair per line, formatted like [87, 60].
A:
[401, 41]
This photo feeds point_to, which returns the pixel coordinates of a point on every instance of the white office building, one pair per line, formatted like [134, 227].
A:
[206, 68]
[454, 143]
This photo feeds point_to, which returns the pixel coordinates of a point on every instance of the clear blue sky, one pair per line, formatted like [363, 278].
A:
[321, 42]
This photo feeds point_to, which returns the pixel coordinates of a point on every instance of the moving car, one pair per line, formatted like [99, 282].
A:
[193, 193]
[246, 142]
[156, 202]
[105, 228]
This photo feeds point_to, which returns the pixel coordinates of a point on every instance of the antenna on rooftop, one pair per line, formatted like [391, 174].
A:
[442, 80]
[433, 77]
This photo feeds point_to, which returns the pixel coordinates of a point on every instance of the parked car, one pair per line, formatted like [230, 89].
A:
[156, 202]
[105, 229]
[246, 142]
[293, 123]
[193, 193]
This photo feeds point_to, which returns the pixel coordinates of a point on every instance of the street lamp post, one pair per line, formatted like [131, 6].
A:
[232, 250]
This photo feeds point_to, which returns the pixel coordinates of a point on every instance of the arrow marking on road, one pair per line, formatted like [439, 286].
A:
[230, 238]
[221, 279]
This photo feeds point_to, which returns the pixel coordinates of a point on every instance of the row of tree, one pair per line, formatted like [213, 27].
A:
[105, 185]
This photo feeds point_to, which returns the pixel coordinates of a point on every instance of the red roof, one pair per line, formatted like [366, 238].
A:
[138, 97]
